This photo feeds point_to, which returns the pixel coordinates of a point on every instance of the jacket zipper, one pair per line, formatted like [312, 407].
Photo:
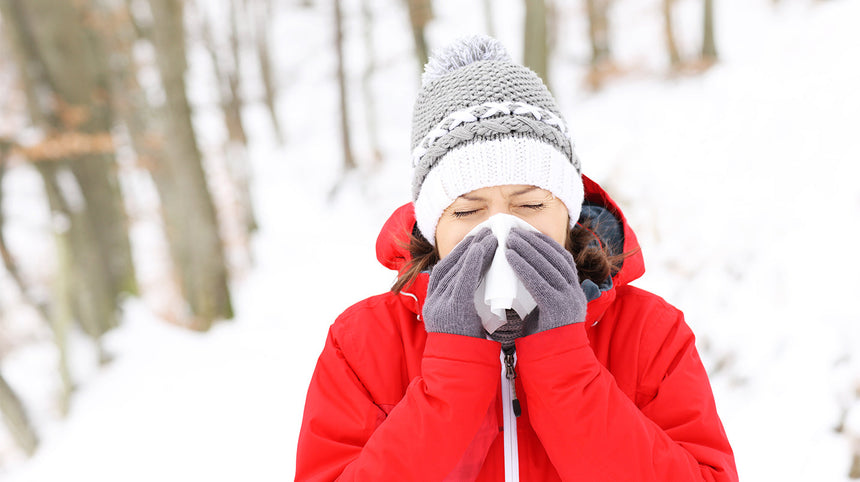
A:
[510, 410]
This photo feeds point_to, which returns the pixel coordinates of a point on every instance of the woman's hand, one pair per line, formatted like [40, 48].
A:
[548, 272]
[450, 305]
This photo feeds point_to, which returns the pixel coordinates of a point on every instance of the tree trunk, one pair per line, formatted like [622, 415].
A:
[144, 127]
[228, 77]
[100, 186]
[62, 316]
[86, 94]
[598, 31]
[671, 46]
[94, 308]
[709, 45]
[225, 64]
[61, 58]
[8, 260]
[57, 40]
[420, 14]
[489, 24]
[16, 419]
[535, 51]
[348, 159]
[367, 81]
[190, 219]
[854, 471]
[262, 19]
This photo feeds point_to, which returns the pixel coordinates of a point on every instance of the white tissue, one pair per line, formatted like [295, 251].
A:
[501, 289]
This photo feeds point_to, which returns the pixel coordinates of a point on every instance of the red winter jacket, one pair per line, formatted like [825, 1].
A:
[621, 397]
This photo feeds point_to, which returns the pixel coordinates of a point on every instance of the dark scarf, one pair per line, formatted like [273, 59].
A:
[510, 331]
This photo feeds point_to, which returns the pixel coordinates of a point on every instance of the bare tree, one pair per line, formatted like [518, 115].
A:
[420, 14]
[62, 65]
[348, 158]
[226, 66]
[94, 309]
[190, 219]
[669, 32]
[598, 35]
[164, 141]
[367, 81]
[9, 261]
[59, 318]
[598, 30]
[61, 315]
[709, 45]
[536, 48]
[10, 406]
[69, 102]
[489, 24]
[16, 418]
[261, 18]
[142, 123]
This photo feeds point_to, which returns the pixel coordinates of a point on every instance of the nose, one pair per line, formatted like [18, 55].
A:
[500, 206]
[497, 208]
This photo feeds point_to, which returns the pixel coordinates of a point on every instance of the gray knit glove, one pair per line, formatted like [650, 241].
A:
[549, 274]
[450, 305]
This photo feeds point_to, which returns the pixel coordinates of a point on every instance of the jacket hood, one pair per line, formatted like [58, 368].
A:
[608, 223]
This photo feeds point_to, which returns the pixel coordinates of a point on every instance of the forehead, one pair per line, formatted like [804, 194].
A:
[504, 192]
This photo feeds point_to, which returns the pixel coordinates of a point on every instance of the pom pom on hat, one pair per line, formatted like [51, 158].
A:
[465, 51]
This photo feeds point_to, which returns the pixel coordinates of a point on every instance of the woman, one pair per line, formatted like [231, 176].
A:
[601, 381]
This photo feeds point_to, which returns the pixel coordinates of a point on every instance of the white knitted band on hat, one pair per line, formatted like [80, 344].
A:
[496, 162]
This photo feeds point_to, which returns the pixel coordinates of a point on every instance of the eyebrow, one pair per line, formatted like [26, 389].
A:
[525, 190]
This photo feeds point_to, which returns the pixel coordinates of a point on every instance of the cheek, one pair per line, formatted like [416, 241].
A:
[448, 235]
[556, 227]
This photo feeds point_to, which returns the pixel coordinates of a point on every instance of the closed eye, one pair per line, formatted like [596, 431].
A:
[535, 206]
[463, 214]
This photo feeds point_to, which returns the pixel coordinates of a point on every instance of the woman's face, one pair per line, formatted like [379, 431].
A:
[531, 204]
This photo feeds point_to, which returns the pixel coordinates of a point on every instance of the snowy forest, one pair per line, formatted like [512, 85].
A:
[191, 190]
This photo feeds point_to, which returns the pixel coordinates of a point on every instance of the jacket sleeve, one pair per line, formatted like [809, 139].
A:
[345, 435]
[592, 430]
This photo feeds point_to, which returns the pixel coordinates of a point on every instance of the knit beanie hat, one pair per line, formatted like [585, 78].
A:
[481, 120]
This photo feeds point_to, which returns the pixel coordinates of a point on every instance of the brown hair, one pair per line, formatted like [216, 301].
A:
[594, 260]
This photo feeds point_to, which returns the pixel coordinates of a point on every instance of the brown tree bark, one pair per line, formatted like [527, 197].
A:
[225, 64]
[709, 45]
[63, 64]
[143, 124]
[262, 19]
[420, 14]
[74, 99]
[598, 31]
[348, 158]
[94, 309]
[536, 47]
[190, 220]
[16, 418]
[227, 75]
[669, 33]
[367, 81]
[854, 471]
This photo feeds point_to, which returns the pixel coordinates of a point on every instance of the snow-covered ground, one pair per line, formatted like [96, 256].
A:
[741, 183]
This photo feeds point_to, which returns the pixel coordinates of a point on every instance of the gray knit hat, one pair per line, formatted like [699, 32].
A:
[482, 120]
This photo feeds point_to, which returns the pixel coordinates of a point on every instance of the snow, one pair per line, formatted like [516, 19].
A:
[741, 184]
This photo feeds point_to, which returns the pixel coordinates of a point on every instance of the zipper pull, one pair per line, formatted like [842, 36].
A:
[511, 375]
